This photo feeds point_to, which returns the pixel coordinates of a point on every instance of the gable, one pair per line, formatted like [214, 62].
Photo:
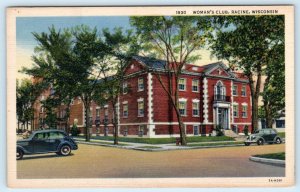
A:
[133, 67]
[220, 72]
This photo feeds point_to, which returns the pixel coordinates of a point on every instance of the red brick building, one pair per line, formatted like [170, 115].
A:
[209, 95]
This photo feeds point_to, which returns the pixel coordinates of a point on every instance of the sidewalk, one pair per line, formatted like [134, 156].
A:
[159, 147]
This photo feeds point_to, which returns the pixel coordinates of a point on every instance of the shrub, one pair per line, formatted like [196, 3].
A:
[75, 131]
[219, 130]
[246, 130]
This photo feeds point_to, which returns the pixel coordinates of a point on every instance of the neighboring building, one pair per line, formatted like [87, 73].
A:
[209, 95]
[278, 123]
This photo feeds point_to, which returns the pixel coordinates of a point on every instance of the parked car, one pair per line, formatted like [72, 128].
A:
[262, 136]
[46, 141]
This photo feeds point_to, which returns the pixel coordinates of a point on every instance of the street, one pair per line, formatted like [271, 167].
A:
[108, 162]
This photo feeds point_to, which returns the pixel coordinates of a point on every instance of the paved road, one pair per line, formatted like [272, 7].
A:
[107, 162]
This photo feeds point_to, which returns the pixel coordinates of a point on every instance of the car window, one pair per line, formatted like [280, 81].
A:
[273, 131]
[41, 136]
[56, 135]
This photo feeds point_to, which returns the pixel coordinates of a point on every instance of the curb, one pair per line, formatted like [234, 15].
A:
[275, 162]
[156, 149]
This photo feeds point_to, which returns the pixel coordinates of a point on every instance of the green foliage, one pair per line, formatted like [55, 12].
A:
[219, 130]
[74, 130]
[246, 130]
[27, 93]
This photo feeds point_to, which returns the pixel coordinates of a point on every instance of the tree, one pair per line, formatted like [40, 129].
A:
[274, 90]
[120, 48]
[174, 39]
[246, 42]
[27, 93]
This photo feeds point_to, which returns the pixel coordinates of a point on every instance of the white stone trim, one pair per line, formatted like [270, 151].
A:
[125, 102]
[195, 100]
[205, 101]
[247, 123]
[182, 99]
[105, 106]
[97, 107]
[224, 105]
[140, 99]
[244, 104]
[150, 98]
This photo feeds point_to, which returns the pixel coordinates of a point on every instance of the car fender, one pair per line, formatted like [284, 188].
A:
[261, 138]
[63, 143]
[23, 149]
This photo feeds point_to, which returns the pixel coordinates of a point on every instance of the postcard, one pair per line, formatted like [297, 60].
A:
[153, 96]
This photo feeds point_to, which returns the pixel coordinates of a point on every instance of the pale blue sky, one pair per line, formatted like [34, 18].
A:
[27, 25]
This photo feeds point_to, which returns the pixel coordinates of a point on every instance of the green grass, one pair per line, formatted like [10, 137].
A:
[214, 144]
[282, 135]
[163, 140]
[279, 156]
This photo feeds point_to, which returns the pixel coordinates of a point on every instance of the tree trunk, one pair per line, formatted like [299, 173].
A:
[87, 122]
[115, 123]
[255, 91]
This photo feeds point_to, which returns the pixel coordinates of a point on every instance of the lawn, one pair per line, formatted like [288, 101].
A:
[163, 140]
[281, 134]
[214, 144]
[279, 156]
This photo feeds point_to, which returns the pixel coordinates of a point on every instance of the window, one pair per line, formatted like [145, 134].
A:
[181, 84]
[97, 112]
[243, 93]
[182, 107]
[195, 108]
[195, 85]
[235, 110]
[141, 84]
[280, 123]
[72, 101]
[141, 108]
[125, 88]
[125, 110]
[244, 111]
[56, 135]
[125, 132]
[234, 90]
[141, 130]
[196, 129]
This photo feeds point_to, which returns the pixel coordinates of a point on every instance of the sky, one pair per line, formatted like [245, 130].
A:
[27, 25]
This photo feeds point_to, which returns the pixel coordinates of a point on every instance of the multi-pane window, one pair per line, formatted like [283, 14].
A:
[244, 111]
[141, 84]
[182, 107]
[195, 108]
[196, 129]
[234, 90]
[141, 130]
[97, 112]
[141, 108]
[125, 88]
[235, 110]
[125, 110]
[181, 84]
[243, 93]
[195, 85]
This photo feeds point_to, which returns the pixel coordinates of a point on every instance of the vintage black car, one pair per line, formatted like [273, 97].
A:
[262, 136]
[46, 141]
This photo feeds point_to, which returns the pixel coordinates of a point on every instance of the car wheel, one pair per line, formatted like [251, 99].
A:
[65, 150]
[278, 141]
[260, 142]
[247, 144]
[20, 154]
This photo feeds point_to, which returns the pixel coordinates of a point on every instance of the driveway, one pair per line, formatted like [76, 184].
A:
[106, 162]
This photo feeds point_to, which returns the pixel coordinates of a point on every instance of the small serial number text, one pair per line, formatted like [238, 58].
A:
[180, 12]
[275, 180]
